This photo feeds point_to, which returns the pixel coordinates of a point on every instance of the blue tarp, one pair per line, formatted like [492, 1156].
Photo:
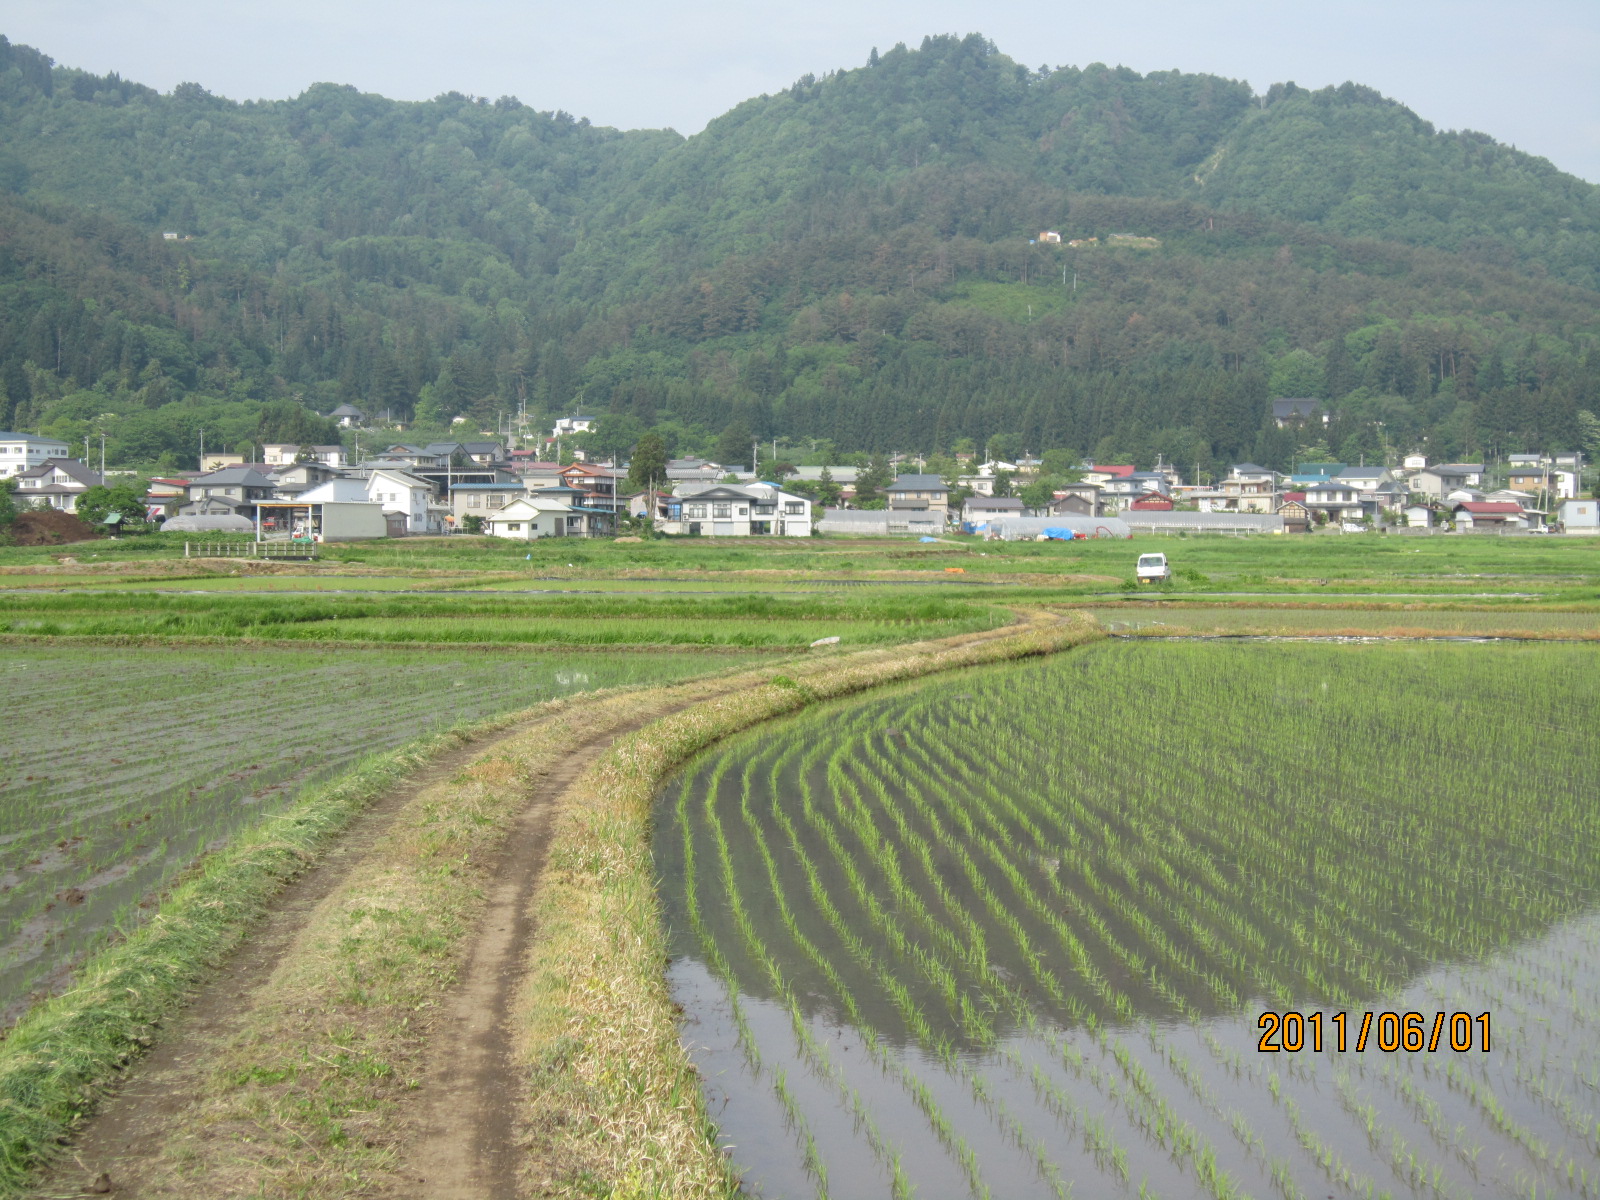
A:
[927, 539]
[1056, 533]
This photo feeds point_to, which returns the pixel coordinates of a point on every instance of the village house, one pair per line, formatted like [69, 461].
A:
[727, 510]
[570, 425]
[1490, 516]
[1296, 516]
[481, 499]
[597, 484]
[240, 484]
[1298, 410]
[57, 482]
[348, 416]
[694, 470]
[21, 451]
[1119, 493]
[532, 517]
[1532, 478]
[1420, 515]
[1151, 502]
[1338, 501]
[1249, 488]
[283, 453]
[296, 477]
[408, 497]
[979, 509]
[1439, 481]
[919, 493]
[1105, 474]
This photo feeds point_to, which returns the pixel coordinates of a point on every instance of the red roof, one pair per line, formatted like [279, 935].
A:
[1118, 472]
[1153, 500]
[1491, 507]
[1300, 496]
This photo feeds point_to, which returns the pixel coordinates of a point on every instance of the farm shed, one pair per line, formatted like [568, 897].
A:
[1203, 522]
[1580, 516]
[327, 520]
[1026, 529]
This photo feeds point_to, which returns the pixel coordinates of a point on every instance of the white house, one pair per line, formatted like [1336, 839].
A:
[533, 517]
[408, 495]
[57, 482]
[19, 451]
[566, 425]
[752, 510]
[282, 453]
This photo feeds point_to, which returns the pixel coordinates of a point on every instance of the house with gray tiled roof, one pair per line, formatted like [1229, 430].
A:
[919, 493]
[57, 482]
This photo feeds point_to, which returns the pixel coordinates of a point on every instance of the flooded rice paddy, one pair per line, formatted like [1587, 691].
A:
[1012, 933]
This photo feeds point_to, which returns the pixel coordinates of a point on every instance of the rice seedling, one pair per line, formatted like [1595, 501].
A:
[1055, 896]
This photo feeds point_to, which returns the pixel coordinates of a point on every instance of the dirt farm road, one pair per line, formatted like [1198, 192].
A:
[460, 1118]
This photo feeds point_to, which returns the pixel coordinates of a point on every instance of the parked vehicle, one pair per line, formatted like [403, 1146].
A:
[1152, 568]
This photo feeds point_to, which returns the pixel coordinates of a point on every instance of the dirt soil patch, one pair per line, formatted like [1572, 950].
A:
[50, 527]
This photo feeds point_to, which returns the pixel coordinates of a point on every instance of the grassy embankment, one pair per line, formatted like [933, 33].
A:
[303, 1099]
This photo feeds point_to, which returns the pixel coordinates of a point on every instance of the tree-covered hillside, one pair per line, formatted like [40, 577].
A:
[853, 259]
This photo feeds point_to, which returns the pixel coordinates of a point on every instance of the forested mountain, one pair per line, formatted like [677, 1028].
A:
[853, 259]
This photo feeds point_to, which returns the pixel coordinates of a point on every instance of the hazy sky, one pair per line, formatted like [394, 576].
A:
[1527, 73]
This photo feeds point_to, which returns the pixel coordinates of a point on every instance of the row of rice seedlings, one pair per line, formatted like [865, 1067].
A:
[1004, 831]
[1022, 1140]
[1008, 1123]
[806, 1042]
[943, 1129]
[1311, 956]
[1157, 939]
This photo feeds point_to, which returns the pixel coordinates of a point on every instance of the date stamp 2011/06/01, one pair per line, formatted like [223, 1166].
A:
[1411, 1032]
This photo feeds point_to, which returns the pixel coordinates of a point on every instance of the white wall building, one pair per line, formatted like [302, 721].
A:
[751, 510]
[282, 453]
[399, 492]
[19, 451]
[57, 482]
[534, 517]
[1580, 516]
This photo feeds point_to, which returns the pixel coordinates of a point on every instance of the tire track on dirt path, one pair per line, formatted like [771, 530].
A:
[135, 1126]
[128, 1123]
[466, 1107]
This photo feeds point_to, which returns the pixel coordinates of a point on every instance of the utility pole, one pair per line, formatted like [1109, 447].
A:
[755, 456]
[202, 450]
[102, 457]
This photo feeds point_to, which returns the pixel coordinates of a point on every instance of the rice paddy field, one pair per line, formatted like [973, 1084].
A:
[1156, 919]
[1189, 619]
[752, 621]
[123, 765]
